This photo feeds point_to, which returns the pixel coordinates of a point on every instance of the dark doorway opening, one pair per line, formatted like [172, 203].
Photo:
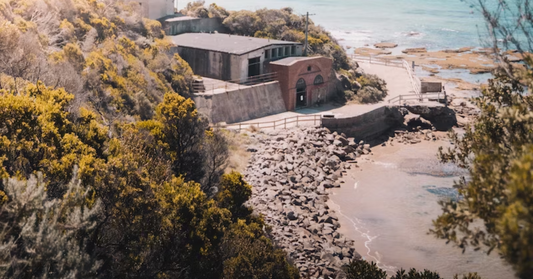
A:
[254, 67]
[301, 93]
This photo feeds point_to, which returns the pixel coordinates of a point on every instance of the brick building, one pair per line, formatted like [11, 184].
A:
[304, 81]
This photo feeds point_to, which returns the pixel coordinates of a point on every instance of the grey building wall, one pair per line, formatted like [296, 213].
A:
[210, 64]
[196, 25]
[155, 9]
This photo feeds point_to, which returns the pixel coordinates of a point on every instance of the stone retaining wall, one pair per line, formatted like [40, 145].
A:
[242, 104]
[367, 125]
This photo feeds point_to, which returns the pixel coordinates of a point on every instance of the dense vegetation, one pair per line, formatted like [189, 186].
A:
[76, 203]
[106, 169]
[496, 208]
[103, 52]
[362, 88]
[360, 269]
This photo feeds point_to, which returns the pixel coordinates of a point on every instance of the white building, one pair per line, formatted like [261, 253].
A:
[156, 9]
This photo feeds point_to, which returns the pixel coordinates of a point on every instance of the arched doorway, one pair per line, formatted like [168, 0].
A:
[301, 93]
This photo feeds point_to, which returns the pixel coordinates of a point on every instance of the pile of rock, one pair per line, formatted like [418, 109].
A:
[290, 172]
[465, 111]
[412, 137]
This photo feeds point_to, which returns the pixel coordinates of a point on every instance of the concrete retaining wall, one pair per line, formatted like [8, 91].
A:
[195, 25]
[243, 104]
[368, 125]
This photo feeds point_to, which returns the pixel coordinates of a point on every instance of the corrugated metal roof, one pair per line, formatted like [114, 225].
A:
[225, 43]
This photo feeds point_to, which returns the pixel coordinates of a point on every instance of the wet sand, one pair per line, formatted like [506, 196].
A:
[388, 204]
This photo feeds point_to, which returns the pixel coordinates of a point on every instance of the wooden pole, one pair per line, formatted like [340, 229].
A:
[306, 33]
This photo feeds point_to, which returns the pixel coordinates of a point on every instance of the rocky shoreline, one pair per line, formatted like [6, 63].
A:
[291, 172]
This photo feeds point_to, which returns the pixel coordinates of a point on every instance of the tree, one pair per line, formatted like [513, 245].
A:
[216, 153]
[243, 23]
[248, 253]
[234, 192]
[38, 135]
[40, 237]
[496, 151]
[180, 130]
[359, 269]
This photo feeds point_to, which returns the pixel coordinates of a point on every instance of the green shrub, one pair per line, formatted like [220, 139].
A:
[369, 95]
[349, 95]
[414, 274]
[373, 81]
[360, 269]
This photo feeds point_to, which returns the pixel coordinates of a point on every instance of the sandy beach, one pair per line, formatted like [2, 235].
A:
[387, 206]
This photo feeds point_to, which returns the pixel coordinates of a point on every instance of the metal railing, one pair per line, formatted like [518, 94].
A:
[403, 99]
[268, 77]
[279, 124]
[378, 60]
[230, 85]
[415, 81]
[400, 63]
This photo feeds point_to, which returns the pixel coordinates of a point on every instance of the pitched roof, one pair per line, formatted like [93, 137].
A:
[232, 44]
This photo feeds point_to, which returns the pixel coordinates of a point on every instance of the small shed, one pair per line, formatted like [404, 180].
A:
[230, 57]
[304, 81]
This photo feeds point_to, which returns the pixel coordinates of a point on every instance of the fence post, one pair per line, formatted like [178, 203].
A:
[400, 100]
[297, 121]
[285, 125]
[274, 124]
[239, 127]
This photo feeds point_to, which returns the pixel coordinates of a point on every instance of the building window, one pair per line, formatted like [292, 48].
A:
[309, 68]
[280, 52]
[293, 50]
[287, 51]
[274, 53]
[318, 80]
[267, 54]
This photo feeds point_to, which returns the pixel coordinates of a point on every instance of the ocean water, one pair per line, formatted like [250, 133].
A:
[434, 24]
